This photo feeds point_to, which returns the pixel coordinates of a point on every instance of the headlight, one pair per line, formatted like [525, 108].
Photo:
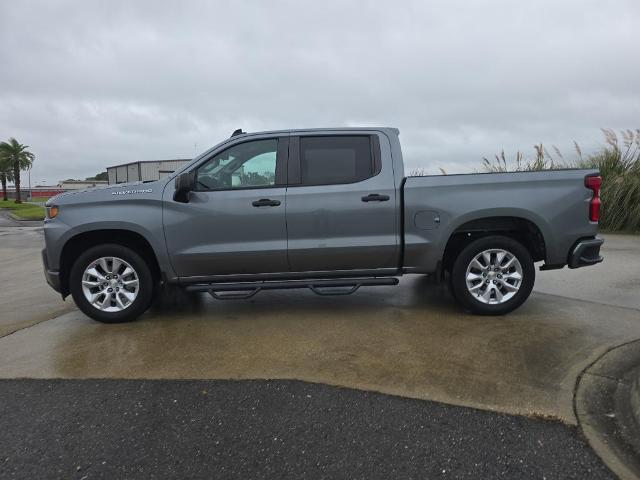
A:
[52, 212]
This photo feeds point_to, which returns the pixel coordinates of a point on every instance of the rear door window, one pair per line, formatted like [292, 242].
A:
[326, 160]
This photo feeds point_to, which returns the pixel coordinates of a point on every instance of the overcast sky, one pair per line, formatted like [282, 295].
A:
[89, 84]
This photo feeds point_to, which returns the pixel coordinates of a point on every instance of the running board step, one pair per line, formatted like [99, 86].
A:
[325, 286]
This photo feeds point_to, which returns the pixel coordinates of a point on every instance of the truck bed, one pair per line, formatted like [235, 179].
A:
[555, 201]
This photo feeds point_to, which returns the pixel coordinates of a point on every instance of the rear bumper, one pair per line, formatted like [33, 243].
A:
[585, 253]
[53, 278]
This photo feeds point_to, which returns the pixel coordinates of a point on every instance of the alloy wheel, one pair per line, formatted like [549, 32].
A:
[494, 276]
[110, 284]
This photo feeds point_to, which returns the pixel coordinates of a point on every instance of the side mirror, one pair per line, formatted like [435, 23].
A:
[184, 184]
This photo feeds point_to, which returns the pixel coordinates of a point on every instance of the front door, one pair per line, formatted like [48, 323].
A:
[341, 204]
[234, 220]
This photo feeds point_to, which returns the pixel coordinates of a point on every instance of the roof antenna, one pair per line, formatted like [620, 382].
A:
[237, 132]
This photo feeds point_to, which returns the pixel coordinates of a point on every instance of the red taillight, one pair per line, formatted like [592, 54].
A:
[594, 183]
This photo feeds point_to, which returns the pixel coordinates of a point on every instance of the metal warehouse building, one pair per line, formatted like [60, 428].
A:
[145, 170]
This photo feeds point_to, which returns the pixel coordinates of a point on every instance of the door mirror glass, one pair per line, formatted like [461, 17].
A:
[184, 184]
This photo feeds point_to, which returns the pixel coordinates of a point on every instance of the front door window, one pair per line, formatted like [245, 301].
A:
[246, 165]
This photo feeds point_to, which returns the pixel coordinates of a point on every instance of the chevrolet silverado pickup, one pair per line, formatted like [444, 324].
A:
[325, 209]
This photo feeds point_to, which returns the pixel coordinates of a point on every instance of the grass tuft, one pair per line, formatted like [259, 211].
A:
[619, 165]
[25, 211]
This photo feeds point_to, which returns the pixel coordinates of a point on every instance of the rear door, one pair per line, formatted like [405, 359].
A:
[341, 203]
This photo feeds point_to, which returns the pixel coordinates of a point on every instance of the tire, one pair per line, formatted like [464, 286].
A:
[92, 277]
[500, 295]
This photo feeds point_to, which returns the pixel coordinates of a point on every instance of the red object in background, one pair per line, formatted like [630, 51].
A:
[594, 183]
[45, 193]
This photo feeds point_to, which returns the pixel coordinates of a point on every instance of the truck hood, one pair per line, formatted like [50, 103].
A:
[105, 193]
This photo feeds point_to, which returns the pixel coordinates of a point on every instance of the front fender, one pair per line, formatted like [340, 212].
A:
[135, 208]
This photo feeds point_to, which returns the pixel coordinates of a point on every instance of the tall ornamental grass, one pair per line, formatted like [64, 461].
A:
[619, 164]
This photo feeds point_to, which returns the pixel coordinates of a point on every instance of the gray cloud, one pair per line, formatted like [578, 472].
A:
[93, 83]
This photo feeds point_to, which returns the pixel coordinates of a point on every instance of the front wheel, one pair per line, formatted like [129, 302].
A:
[111, 283]
[493, 275]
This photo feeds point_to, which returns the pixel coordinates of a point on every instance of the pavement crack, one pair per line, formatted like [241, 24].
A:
[600, 375]
[635, 309]
[57, 315]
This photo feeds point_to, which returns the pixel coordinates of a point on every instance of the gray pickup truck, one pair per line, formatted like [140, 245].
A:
[325, 209]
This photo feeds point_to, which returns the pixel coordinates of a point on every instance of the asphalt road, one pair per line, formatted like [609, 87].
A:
[87, 429]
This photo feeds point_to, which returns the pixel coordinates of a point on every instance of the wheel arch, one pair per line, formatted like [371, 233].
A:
[522, 229]
[82, 241]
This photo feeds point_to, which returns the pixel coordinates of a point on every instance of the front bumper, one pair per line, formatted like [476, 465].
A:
[53, 278]
[585, 253]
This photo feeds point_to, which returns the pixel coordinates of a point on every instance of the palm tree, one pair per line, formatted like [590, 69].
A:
[6, 175]
[19, 158]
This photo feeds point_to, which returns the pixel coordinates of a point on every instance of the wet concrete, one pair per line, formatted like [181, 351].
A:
[25, 297]
[410, 340]
[616, 281]
[607, 404]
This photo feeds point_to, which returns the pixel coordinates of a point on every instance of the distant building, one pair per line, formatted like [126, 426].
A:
[147, 170]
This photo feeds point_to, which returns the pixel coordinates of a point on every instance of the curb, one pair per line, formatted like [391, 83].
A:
[12, 216]
[15, 218]
[607, 406]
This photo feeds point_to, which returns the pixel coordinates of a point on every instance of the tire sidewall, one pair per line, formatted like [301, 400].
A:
[145, 278]
[459, 272]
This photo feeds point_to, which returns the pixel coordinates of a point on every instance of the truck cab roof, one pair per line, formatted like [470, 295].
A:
[393, 130]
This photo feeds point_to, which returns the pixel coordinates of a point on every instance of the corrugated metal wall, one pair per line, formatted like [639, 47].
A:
[144, 171]
[170, 166]
[158, 170]
[149, 171]
[121, 174]
[133, 172]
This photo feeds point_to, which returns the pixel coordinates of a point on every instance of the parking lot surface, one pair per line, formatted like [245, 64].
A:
[25, 297]
[269, 429]
[411, 341]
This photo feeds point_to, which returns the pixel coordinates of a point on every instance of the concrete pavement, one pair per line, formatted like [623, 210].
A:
[410, 340]
[25, 297]
[616, 281]
[607, 404]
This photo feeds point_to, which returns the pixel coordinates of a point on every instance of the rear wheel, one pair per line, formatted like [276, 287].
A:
[111, 283]
[493, 275]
